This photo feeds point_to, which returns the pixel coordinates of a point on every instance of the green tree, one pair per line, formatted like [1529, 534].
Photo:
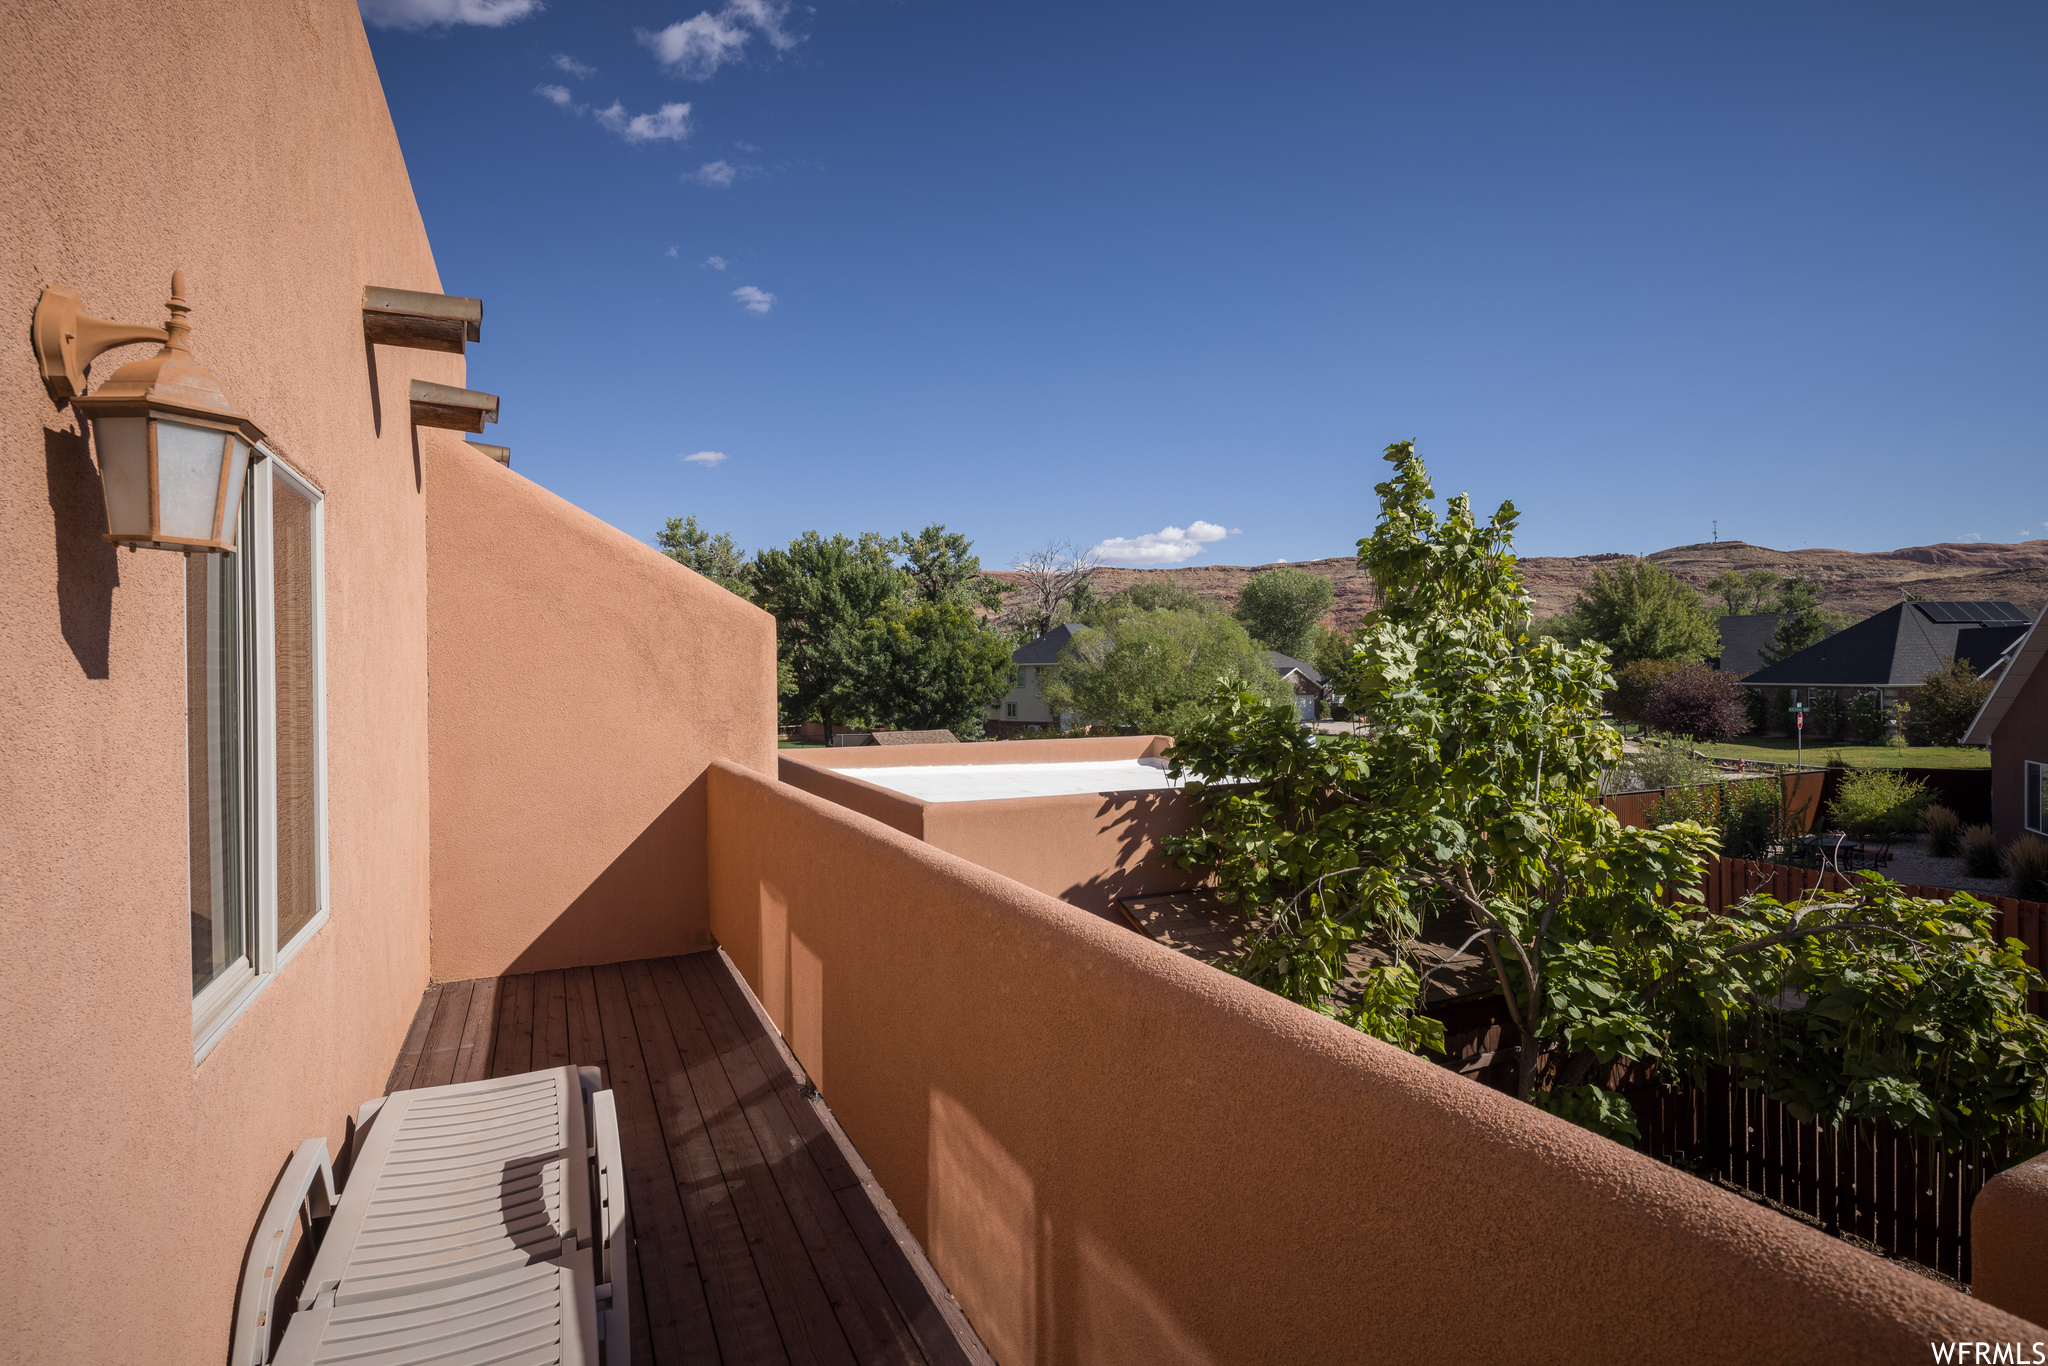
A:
[1633, 684]
[1802, 621]
[1744, 592]
[1641, 610]
[1154, 671]
[822, 592]
[1333, 655]
[716, 557]
[929, 665]
[1279, 608]
[1948, 701]
[943, 567]
[1472, 794]
[1566, 628]
[1156, 592]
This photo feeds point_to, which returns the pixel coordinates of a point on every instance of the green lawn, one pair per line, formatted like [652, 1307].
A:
[1778, 751]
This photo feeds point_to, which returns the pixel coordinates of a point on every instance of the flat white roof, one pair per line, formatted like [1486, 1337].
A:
[988, 782]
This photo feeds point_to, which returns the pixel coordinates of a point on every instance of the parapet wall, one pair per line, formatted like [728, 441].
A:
[1087, 849]
[577, 684]
[1115, 1154]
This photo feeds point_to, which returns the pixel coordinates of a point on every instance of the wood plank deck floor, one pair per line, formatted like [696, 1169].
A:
[758, 1233]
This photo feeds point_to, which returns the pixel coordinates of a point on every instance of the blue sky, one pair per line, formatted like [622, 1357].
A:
[1100, 272]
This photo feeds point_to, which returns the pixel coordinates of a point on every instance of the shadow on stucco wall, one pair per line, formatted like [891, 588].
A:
[648, 902]
[87, 571]
[1135, 822]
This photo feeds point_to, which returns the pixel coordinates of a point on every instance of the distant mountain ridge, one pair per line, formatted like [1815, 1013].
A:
[1855, 581]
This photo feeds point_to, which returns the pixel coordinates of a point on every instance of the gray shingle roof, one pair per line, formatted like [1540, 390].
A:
[1046, 649]
[1901, 645]
[1286, 665]
[1743, 640]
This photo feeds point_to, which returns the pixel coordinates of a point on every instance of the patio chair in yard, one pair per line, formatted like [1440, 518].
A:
[481, 1222]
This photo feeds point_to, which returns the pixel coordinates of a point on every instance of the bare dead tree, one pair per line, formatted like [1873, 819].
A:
[1049, 578]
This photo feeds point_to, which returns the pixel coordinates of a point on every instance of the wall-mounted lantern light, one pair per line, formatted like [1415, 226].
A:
[172, 448]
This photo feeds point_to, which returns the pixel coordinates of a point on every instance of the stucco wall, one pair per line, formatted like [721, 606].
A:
[2009, 1241]
[578, 682]
[1087, 849]
[2022, 736]
[249, 145]
[1115, 1154]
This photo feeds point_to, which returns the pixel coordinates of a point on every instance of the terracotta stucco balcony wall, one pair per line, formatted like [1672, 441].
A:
[1087, 849]
[1115, 1154]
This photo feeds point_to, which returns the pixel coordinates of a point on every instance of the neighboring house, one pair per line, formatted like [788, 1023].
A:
[1308, 685]
[1024, 706]
[1890, 653]
[2014, 723]
[1743, 642]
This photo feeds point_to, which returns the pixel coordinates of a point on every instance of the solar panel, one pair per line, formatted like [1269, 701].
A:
[1975, 611]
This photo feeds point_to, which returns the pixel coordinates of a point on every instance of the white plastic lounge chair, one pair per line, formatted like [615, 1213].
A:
[483, 1222]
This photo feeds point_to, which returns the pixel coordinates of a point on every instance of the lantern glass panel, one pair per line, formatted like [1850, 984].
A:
[236, 474]
[124, 473]
[188, 488]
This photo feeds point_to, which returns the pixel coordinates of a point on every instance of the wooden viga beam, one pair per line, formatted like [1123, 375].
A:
[443, 405]
[425, 322]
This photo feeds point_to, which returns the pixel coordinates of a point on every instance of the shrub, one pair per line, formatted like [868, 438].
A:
[1947, 702]
[1944, 831]
[1700, 702]
[1758, 710]
[1634, 684]
[1752, 818]
[1835, 760]
[1663, 763]
[1781, 711]
[1866, 718]
[1699, 803]
[1826, 716]
[1981, 856]
[2026, 858]
[1878, 803]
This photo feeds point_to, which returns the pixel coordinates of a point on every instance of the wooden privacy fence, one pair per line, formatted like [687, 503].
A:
[1901, 1192]
[1868, 1179]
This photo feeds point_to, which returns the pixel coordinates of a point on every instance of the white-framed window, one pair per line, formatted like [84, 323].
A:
[2034, 800]
[256, 745]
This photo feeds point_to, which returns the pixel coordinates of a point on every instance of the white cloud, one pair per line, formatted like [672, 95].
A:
[425, 14]
[671, 123]
[671, 251]
[558, 96]
[705, 458]
[716, 174]
[755, 300]
[715, 262]
[746, 146]
[581, 71]
[1170, 545]
[695, 48]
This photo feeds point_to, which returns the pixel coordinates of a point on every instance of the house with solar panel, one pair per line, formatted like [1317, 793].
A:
[1891, 653]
